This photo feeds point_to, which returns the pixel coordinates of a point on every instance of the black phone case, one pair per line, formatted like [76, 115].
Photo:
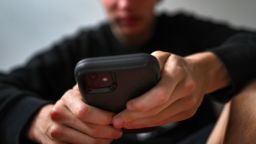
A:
[133, 75]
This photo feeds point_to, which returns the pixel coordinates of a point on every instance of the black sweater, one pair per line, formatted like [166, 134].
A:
[49, 74]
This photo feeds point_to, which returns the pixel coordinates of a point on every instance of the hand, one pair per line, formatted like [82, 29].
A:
[72, 121]
[183, 84]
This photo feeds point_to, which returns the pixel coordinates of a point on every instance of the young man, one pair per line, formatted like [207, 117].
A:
[197, 58]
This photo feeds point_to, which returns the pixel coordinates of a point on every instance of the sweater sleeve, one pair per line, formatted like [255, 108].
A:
[236, 49]
[44, 79]
[238, 54]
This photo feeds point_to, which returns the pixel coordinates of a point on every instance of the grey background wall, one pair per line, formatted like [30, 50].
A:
[27, 26]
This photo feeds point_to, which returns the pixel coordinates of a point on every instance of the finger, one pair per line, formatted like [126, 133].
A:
[146, 123]
[68, 135]
[86, 113]
[183, 89]
[178, 107]
[63, 116]
[172, 75]
[127, 116]
[161, 57]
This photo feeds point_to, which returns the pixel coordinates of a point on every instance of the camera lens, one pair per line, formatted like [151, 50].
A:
[99, 80]
[105, 79]
[93, 77]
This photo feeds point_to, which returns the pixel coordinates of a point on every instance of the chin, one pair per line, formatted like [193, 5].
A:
[130, 31]
[128, 34]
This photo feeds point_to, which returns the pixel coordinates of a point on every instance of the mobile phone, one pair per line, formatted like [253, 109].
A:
[109, 82]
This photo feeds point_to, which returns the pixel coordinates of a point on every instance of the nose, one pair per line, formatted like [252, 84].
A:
[125, 4]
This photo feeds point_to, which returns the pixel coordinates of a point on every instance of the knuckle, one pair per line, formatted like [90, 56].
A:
[82, 111]
[55, 131]
[162, 97]
[190, 85]
[55, 114]
[139, 107]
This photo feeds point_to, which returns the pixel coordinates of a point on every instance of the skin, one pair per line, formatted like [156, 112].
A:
[240, 126]
[236, 124]
[217, 135]
[72, 121]
[184, 82]
[131, 20]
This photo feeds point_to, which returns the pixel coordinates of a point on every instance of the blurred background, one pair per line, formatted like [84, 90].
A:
[26, 26]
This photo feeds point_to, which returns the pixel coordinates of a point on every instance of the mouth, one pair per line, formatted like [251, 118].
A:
[127, 21]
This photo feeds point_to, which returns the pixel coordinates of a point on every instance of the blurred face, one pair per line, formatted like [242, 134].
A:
[130, 18]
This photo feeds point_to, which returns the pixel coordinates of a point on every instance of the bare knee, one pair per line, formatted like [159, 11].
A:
[241, 126]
